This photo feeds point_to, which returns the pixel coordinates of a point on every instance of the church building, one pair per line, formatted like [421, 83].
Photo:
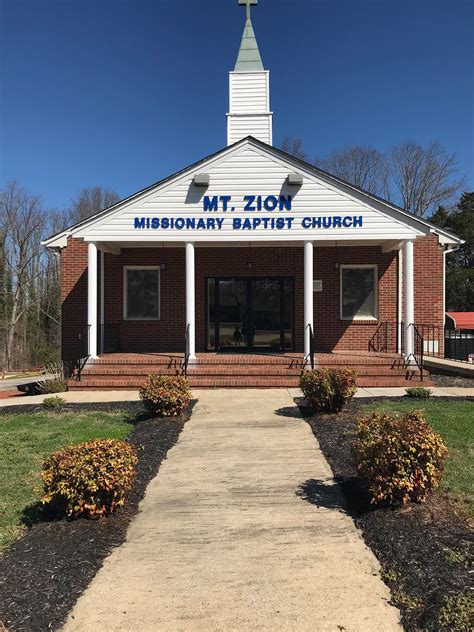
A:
[250, 266]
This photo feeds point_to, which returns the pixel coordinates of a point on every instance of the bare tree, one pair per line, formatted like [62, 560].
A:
[294, 147]
[91, 201]
[424, 176]
[23, 221]
[364, 167]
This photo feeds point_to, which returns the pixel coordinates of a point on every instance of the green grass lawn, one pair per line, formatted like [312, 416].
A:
[26, 439]
[454, 420]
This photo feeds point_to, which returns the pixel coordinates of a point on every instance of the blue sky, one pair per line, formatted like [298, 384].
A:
[121, 93]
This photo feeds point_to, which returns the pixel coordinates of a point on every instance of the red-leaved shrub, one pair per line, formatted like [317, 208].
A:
[89, 479]
[400, 457]
[166, 395]
[328, 390]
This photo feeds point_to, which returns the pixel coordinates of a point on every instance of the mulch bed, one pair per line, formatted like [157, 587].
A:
[43, 574]
[425, 549]
[452, 380]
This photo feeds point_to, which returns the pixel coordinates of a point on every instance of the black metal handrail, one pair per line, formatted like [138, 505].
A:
[418, 349]
[379, 341]
[310, 356]
[187, 352]
[84, 353]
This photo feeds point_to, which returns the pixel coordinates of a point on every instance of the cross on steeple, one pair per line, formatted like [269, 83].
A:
[248, 4]
[249, 56]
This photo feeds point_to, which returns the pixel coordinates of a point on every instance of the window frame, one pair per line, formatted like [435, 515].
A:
[125, 293]
[356, 266]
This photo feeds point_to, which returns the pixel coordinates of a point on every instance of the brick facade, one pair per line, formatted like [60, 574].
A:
[167, 334]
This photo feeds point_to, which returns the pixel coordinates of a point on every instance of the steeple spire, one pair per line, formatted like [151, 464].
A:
[249, 90]
[248, 59]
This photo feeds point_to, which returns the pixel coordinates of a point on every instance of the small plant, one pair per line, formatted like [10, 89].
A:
[389, 575]
[454, 556]
[166, 395]
[402, 598]
[53, 386]
[400, 458]
[53, 402]
[89, 479]
[457, 612]
[56, 382]
[329, 390]
[419, 391]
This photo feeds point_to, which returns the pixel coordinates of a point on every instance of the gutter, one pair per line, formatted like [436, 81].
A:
[446, 252]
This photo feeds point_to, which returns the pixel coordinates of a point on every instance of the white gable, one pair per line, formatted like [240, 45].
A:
[321, 210]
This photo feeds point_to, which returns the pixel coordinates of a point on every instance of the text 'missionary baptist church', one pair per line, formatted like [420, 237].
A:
[248, 260]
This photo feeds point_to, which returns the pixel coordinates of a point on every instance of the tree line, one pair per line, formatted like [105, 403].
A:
[423, 180]
[30, 274]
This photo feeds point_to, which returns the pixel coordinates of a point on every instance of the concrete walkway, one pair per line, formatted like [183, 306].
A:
[242, 530]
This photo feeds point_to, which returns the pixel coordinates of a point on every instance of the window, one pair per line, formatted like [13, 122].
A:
[141, 293]
[359, 292]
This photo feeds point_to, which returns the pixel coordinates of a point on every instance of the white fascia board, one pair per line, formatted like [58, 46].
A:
[418, 226]
[83, 230]
[381, 205]
[56, 241]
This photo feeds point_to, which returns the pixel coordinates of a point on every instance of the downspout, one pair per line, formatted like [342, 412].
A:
[446, 252]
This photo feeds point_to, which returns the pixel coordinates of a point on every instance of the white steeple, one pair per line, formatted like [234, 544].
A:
[249, 90]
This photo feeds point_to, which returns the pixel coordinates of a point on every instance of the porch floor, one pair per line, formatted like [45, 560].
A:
[241, 370]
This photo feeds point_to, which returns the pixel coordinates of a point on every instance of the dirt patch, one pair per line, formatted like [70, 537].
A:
[425, 550]
[43, 574]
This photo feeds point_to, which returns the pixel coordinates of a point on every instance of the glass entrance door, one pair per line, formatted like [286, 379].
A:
[249, 313]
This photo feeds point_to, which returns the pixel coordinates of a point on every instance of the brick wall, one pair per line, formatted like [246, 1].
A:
[73, 297]
[167, 334]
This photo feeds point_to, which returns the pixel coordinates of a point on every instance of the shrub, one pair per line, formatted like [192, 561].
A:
[401, 458]
[89, 479]
[56, 385]
[53, 402]
[329, 390]
[419, 391]
[165, 395]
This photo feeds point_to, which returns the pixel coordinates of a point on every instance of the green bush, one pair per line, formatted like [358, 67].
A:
[419, 391]
[329, 390]
[89, 479]
[400, 457]
[53, 402]
[166, 395]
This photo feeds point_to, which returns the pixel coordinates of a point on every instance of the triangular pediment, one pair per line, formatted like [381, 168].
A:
[248, 182]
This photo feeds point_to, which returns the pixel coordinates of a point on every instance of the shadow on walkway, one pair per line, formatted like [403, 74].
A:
[322, 494]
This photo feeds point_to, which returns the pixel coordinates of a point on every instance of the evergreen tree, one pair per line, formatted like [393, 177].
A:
[459, 264]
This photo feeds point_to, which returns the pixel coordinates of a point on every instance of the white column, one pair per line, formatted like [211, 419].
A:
[400, 302]
[308, 293]
[190, 299]
[102, 300]
[409, 297]
[92, 299]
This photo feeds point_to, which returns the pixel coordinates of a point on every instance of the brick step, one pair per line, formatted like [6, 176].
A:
[212, 381]
[137, 361]
[226, 369]
[131, 371]
[194, 381]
